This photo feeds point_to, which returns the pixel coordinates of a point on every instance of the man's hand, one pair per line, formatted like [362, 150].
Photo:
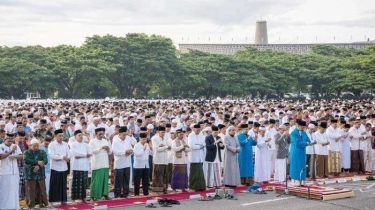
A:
[14, 148]
[41, 163]
[66, 159]
[128, 152]
[161, 145]
[36, 169]
[88, 155]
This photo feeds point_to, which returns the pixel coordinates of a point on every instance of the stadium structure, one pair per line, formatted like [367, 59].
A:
[261, 43]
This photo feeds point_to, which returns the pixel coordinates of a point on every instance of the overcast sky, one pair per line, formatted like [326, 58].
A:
[54, 22]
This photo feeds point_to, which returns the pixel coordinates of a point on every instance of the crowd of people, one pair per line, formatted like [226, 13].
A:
[50, 147]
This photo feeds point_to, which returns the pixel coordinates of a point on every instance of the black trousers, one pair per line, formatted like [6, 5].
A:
[150, 163]
[122, 178]
[141, 173]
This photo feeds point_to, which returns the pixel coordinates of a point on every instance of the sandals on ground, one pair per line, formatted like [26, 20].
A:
[151, 205]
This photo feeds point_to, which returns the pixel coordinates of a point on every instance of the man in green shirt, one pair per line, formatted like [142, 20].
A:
[35, 160]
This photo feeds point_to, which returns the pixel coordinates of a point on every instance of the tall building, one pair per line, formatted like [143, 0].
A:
[261, 43]
[261, 36]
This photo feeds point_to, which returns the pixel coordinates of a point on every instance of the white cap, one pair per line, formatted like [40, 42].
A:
[262, 119]
[150, 126]
[282, 126]
[289, 112]
[174, 121]
[311, 125]
[2, 122]
[34, 141]
[207, 129]
[262, 128]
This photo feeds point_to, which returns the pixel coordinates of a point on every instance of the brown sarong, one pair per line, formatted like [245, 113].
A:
[357, 161]
[322, 165]
[160, 178]
[334, 162]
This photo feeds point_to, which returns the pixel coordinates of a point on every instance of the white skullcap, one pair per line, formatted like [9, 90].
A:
[34, 141]
[311, 125]
[261, 128]
[96, 118]
[289, 112]
[262, 119]
[150, 126]
[174, 121]
[116, 118]
[207, 129]
[2, 122]
[282, 126]
[62, 117]
[257, 114]
[313, 118]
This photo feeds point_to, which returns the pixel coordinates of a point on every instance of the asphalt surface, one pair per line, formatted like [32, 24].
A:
[364, 199]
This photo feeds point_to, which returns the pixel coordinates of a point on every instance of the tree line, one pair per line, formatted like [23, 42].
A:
[142, 66]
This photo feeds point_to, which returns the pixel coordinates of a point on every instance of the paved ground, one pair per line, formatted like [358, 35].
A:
[364, 200]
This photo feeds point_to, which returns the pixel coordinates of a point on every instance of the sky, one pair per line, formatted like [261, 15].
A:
[55, 22]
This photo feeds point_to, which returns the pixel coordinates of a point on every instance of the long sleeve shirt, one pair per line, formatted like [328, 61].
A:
[80, 160]
[119, 147]
[100, 156]
[321, 138]
[310, 149]
[355, 134]
[333, 134]
[141, 156]
[31, 159]
[196, 144]
[8, 166]
[160, 152]
[184, 154]
[56, 152]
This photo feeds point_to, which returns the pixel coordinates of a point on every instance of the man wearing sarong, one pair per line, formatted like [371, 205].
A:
[141, 164]
[321, 149]
[160, 158]
[197, 155]
[35, 160]
[81, 153]
[282, 142]
[357, 159]
[334, 156]
[60, 155]
[214, 145]
[9, 175]
[180, 159]
[101, 148]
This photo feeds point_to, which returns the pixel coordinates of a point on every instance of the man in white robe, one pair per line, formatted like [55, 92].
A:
[9, 174]
[262, 163]
[345, 148]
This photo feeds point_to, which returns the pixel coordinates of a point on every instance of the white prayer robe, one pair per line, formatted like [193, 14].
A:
[345, 150]
[9, 179]
[262, 170]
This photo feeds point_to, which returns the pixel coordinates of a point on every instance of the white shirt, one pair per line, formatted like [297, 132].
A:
[56, 152]
[10, 128]
[141, 156]
[310, 149]
[366, 142]
[355, 134]
[271, 134]
[80, 150]
[184, 155]
[321, 138]
[332, 134]
[170, 151]
[196, 142]
[119, 147]
[100, 156]
[8, 166]
[160, 153]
